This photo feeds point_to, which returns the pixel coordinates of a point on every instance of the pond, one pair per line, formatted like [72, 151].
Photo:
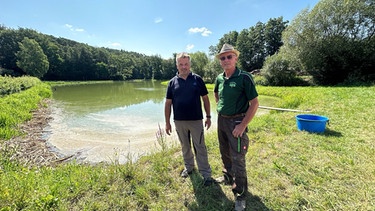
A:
[113, 122]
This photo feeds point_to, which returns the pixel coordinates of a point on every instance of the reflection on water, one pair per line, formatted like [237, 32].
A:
[106, 121]
[87, 98]
[111, 121]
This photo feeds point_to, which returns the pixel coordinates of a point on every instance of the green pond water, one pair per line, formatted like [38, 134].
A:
[113, 121]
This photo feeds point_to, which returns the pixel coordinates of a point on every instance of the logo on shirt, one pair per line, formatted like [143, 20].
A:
[232, 84]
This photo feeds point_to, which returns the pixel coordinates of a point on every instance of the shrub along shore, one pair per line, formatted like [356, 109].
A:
[287, 169]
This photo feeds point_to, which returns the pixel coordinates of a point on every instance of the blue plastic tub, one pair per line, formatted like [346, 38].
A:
[311, 123]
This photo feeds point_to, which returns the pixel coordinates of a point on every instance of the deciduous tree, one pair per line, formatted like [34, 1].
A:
[334, 42]
[31, 59]
[199, 62]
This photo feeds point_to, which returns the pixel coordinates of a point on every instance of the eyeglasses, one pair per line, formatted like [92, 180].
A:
[229, 57]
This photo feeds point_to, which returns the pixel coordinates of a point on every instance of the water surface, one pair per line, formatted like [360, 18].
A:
[112, 122]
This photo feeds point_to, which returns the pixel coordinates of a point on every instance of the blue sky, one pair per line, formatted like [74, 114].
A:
[150, 27]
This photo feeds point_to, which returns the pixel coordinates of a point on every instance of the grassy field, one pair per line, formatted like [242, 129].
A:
[287, 169]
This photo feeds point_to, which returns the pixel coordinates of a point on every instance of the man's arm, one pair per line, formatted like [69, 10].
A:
[167, 116]
[250, 113]
[207, 109]
[216, 97]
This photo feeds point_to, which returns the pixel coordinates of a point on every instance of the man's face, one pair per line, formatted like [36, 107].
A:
[228, 60]
[183, 65]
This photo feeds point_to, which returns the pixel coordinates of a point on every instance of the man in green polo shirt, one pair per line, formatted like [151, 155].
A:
[237, 103]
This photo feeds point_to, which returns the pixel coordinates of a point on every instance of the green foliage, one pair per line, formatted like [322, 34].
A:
[169, 68]
[255, 43]
[278, 72]
[212, 69]
[333, 44]
[10, 85]
[73, 61]
[17, 108]
[31, 59]
[8, 47]
[155, 67]
[334, 41]
[199, 61]
[259, 42]
[260, 80]
[229, 38]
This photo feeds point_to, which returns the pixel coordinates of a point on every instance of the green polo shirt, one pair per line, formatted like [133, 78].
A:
[235, 92]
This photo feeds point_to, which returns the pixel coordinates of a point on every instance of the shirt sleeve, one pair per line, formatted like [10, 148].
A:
[251, 91]
[216, 88]
[169, 94]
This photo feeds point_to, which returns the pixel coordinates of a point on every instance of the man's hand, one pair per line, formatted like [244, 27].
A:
[207, 123]
[168, 128]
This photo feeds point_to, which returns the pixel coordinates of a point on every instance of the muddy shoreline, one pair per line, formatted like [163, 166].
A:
[30, 148]
[33, 148]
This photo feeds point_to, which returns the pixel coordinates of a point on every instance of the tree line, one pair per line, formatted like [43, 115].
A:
[26, 51]
[332, 43]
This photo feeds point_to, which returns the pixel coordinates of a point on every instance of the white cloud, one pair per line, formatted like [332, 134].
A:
[189, 47]
[203, 31]
[71, 28]
[68, 26]
[112, 45]
[158, 20]
[115, 44]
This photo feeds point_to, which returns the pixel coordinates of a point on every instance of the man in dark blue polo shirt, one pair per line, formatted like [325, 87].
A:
[184, 94]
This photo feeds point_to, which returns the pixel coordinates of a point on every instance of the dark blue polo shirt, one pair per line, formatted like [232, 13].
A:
[186, 97]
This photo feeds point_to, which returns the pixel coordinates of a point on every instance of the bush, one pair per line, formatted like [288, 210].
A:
[278, 72]
[10, 85]
[334, 42]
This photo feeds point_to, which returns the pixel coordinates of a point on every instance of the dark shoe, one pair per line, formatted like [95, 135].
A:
[185, 173]
[239, 205]
[208, 181]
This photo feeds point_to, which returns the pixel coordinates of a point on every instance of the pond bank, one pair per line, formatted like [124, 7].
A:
[34, 148]
[31, 148]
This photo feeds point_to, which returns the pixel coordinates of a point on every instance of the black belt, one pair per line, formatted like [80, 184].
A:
[233, 116]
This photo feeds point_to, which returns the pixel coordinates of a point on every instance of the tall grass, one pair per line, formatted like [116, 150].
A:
[287, 169]
[10, 85]
[16, 108]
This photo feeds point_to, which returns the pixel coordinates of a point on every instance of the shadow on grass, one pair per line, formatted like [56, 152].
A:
[213, 198]
[253, 202]
[329, 132]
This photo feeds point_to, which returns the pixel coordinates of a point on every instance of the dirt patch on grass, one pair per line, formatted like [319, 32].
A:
[30, 148]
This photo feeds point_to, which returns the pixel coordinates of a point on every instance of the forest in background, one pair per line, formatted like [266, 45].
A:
[63, 59]
[330, 44]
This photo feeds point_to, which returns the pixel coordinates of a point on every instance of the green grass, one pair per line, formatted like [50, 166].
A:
[10, 85]
[16, 108]
[287, 169]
